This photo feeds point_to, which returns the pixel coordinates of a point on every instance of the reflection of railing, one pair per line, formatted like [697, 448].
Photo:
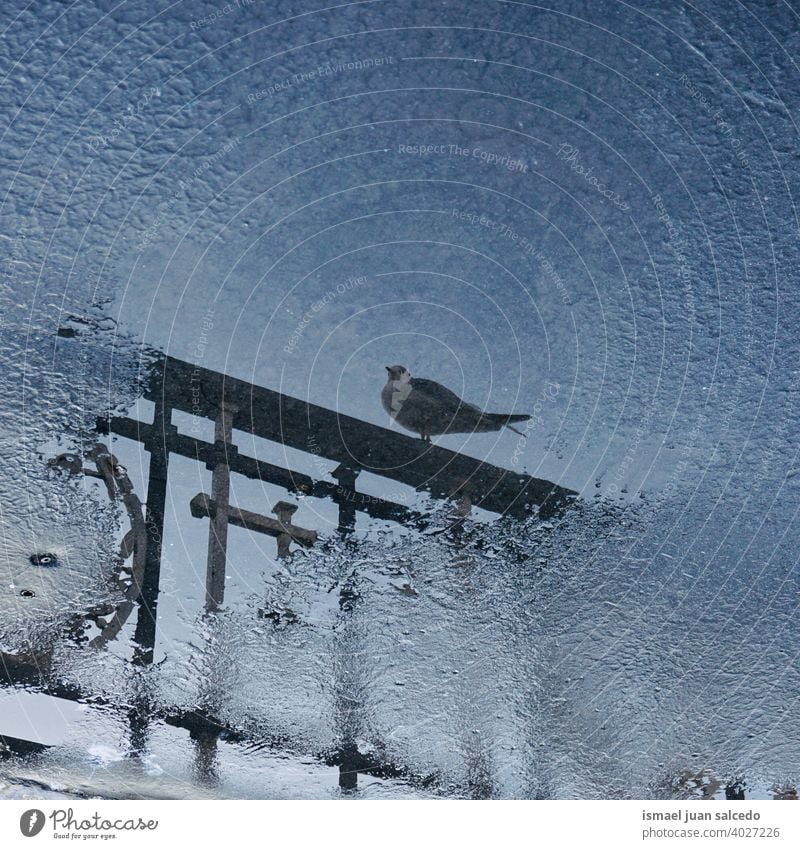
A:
[354, 445]
[205, 731]
[134, 543]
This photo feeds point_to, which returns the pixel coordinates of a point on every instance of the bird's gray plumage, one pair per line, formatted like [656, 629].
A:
[428, 408]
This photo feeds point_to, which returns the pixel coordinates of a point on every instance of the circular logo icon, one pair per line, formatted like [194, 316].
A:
[31, 822]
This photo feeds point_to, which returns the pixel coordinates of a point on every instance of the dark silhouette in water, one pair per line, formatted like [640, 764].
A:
[428, 408]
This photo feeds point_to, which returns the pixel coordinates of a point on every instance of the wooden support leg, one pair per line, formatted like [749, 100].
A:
[205, 755]
[158, 447]
[462, 490]
[344, 498]
[348, 767]
[284, 510]
[220, 493]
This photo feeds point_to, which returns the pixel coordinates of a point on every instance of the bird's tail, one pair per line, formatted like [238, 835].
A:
[498, 420]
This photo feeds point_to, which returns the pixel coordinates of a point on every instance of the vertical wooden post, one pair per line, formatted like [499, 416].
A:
[158, 447]
[284, 510]
[345, 498]
[205, 754]
[220, 493]
[348, 766]
[463, 490]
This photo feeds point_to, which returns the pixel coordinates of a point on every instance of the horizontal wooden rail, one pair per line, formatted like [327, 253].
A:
[250, 467]
[203, 506]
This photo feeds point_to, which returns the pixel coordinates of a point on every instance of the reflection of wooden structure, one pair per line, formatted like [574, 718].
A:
[356, 447]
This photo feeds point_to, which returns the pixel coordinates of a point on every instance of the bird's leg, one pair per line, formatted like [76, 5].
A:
[425, 436]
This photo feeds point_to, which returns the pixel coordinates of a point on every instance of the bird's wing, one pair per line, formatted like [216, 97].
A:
[433, 393]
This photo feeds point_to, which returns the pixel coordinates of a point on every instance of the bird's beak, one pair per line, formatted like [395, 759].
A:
[388, 368]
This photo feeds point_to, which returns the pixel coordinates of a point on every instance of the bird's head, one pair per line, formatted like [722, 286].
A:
[398, 373]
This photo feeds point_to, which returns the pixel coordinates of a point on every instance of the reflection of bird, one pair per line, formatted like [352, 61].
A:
[429, 408]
